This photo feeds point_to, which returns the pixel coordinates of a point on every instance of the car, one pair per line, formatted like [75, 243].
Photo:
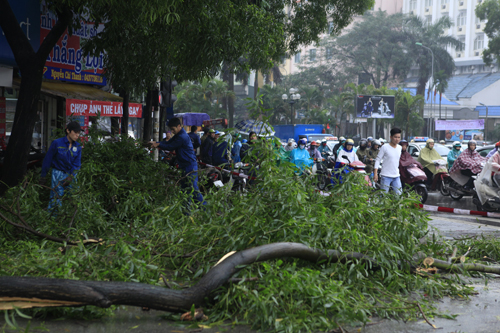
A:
[483, 151]
[414, 149]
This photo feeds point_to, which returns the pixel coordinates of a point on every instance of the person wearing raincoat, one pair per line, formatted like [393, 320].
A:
[427, 155]
[300, 156]
[467, 164]
[453, 154]
[235, 151]
[314, 152]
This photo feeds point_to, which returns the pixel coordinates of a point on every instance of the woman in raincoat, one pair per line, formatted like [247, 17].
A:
[454, 153]
[300, 156]
[427, 155]
[468, 164]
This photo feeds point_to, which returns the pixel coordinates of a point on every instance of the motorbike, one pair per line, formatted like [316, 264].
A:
[487, 194]
[355, 166]
[441, 179]
[417, 181]
[320, 171]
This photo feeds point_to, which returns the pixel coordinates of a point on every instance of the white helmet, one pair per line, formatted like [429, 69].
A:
[376, 142]
[291, 140]
[318, 142]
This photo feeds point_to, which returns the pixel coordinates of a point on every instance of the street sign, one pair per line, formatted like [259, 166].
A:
[465, 114]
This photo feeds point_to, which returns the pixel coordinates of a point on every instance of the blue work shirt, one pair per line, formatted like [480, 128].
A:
[195, 139]
[220, 153]
[183, 147]
[61, 157]
[236, 151]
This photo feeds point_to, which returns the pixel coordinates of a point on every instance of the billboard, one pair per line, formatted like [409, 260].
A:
[443, 125]
[66, 61]
[374, 106]
[459, 135]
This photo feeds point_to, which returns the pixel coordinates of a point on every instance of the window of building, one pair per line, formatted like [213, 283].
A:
[330, 27]
[479, 42]
[461, 19]
[312, 55]
[428, 20]
[462, 46]
[329, 53]
[428, 3]
[413, 4]
[444, 2]
[297, 58]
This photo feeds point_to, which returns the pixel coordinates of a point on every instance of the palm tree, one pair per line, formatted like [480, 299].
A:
[408, 115]
[432, 36]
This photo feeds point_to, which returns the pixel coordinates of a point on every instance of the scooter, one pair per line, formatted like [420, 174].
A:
[442, 179]
[417, 182]
[320, 171]
[458, 191]
[355, 166]
[491, 194]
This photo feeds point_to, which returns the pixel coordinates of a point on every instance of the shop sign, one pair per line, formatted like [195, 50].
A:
[79, 107]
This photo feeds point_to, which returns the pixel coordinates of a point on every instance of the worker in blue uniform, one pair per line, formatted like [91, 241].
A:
[65, 158]
[183, 147]
[220, 152]
[195, 138]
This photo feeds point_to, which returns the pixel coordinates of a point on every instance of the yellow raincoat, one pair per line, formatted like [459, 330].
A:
[427, 155]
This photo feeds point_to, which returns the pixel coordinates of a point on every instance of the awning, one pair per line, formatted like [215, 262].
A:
[74, 91]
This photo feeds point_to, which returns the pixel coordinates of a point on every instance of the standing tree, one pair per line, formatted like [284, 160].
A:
[490, 10]
[408, 112]
[432, 36]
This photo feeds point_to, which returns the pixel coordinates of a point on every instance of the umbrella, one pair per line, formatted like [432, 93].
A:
[259, 127]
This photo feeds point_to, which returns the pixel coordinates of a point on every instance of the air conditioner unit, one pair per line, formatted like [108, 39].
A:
[459, 55]
[459, 28]
[443, 7]
[476, 53]
[478, 26]
[411, 12]
[461, 3]
[427, 9]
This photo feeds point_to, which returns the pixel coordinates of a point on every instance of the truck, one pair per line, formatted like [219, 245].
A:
[300, 131]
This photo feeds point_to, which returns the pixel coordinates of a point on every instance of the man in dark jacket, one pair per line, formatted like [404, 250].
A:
[195, 138]
[183, 147]
[220, 157]
[206, 150]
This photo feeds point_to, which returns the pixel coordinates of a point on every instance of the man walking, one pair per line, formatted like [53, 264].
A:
[181, 143]
[195, 138]
[390, 154]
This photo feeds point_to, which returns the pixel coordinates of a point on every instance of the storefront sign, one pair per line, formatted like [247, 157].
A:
[78, 107]
[443, 125]
[66, 61]
[27, 13]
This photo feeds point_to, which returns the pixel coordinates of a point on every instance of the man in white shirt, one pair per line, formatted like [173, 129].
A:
[390, 154]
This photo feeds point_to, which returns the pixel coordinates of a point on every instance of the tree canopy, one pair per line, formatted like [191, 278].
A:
[490, 10]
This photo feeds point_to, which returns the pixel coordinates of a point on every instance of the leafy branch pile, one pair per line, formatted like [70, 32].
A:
[135, 207]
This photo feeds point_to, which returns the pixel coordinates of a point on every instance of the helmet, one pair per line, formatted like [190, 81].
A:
[442, 142]
[497, 144]
[291, 140]
[369, 139]
[472, 142]
[221, 133]
[349, 142]
[429, 141]
[341, 139]
[323, 141]
[313, 143]
[211, 131]
[217, 132]
[376, 142]
[237, 136]
[318, 142]
[244, 141]
[302, 142]
[458, 144]
[403, 142]
[363, 142]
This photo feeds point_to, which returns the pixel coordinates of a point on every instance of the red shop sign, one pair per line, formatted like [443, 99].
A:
[79, 107]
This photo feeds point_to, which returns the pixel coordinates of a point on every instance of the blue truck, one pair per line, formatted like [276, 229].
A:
[297, 132]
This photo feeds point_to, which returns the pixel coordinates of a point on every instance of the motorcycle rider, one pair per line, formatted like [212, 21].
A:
[467, 164]
[362, 151]
[406, 161]
[323, 148]
[300, 156]
[291, 145]
[427, 155]
[206, 149]
[235, 151]
[371, 156]
[348, 151]
[220, 151]
[369, 141]
[338, 145]
[314, 152]
[453, 154]
[493, 151]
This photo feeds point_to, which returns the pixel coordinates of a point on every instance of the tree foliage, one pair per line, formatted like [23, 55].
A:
[489, 10]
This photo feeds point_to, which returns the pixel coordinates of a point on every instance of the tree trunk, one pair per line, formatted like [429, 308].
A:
[146, 134]
[125, 95]
[230, 100]
[105, 294]
[31, 66]
[255, 84]
[422, 82]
